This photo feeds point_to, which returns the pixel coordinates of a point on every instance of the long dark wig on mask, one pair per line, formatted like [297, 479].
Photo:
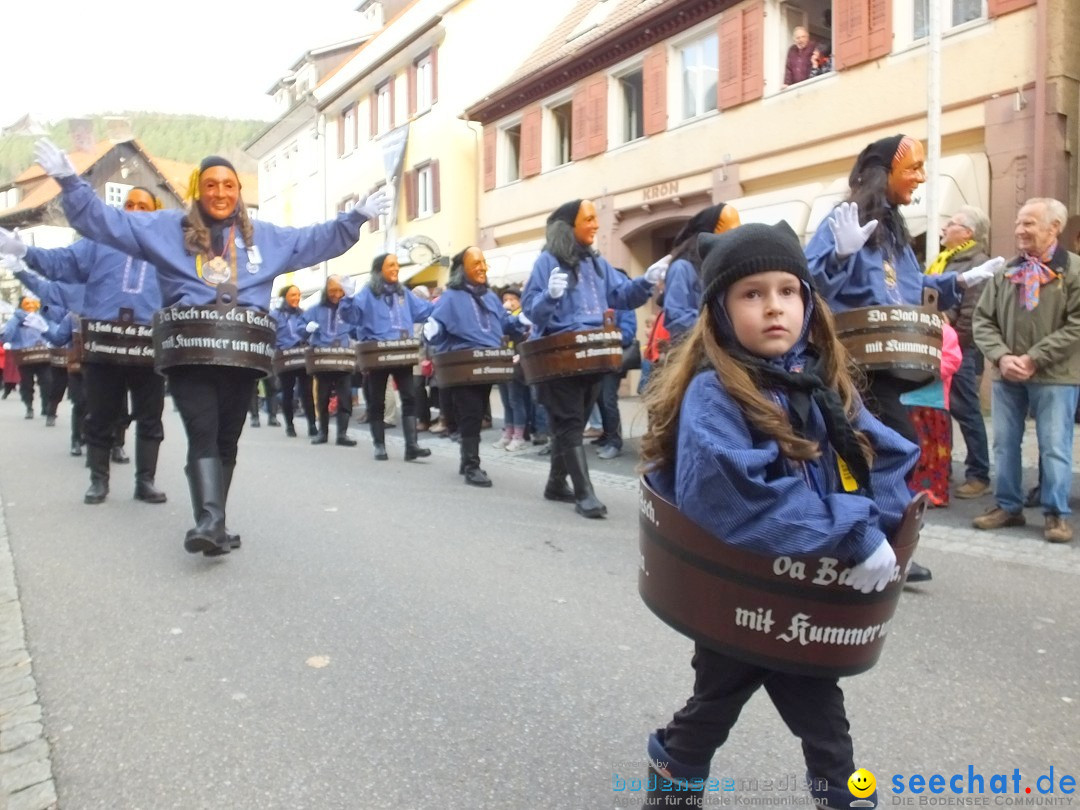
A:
[560, 241]
[869, 188]
[376, 281]
[284, 291]
[686, 243]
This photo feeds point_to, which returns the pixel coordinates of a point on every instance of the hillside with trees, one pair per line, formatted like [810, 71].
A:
[186, 138]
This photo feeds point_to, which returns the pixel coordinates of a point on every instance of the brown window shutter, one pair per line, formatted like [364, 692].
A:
[530, 142]
[356, 123]
[411, 203]
[850, 32]
[579, 122]
[729, 90]
[596, 115]
[654, 90]
[435, 195]
[753, 51]
[879, 41]
[341, 134]
[374, 103]
[995, 8]
[392, 105]
[411, 82]
[491, 133]
[434, 75]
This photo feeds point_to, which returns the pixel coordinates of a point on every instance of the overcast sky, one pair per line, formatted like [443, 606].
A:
[64, 58]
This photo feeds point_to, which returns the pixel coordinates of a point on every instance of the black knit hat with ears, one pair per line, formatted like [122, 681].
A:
[567, 212]
[210, 161]
[748, 249]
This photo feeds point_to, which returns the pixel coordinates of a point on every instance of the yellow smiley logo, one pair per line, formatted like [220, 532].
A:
[861, 783]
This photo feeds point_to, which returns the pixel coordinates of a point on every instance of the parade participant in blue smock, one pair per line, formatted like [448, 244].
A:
[386, 310]
[327, 327]
[26, 330]
[63, 334]
[115, 287]
[610, 442]
[569, 290]
[861, 256]
[682, 284]
[757, 434]
[468, 315]
[213, 243]
[292, 332]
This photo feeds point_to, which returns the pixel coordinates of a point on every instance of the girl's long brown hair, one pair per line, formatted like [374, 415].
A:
[701, 347]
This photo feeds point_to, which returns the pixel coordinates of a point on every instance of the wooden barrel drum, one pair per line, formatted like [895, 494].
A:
[380, 355]
[214, 336]
[474, 367]
[290, 359]
[787, 613]
[331, 359]
[902, 340]
[32, 356]
[571, 354]
[124, 343]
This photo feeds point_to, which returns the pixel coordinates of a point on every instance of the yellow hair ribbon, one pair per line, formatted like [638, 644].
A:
[193, 185]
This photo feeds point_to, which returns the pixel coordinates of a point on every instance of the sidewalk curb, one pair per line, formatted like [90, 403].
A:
[26, 777]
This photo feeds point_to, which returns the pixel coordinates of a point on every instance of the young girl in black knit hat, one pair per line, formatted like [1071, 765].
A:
[757, 435]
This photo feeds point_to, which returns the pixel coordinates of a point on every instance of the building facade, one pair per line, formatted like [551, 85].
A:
[658, 108]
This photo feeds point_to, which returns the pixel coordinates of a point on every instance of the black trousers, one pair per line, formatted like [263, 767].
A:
[288, 382]
[812, 708]
[569, 400]
[331, 383]
[423, 400]
[882, 398]
[77, 396]
[107, 386]
[42, 372]
[469, 402]
[213, 404]
[377, 392]
[58, 384]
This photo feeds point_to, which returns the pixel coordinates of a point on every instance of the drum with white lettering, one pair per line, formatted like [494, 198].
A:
[58, 357]
[31, 356]
[294, 359]
[214, 336]
[474, 367]
[571, 354]
[331, 359]
[382, 355]
[122, 342]
[904, 341]
[793, 614]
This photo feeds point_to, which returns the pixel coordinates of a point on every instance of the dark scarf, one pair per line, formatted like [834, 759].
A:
[218, 229]
[802, 388]
[478, 290]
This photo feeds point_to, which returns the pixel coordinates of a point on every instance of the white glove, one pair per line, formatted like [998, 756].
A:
[312, 327]
[36, 322]
[7, 347]
[53, 159]
[982, 271]
[374, 205]
[523, 320]
[557, 282]
[847, 233]
[11, 245]
[431, 328]
[874, 573]
[348, 284]
[657, 270]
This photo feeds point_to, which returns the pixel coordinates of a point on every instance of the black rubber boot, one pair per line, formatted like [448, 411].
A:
[290, 427]
[556, 488]
[311, 429]
[207, 481]
[664, 793]
[76, 447]
[97, 459]
[412, 449]
[343, 430]
[146, 456]
[234, 539]
[378, 439]
[470, 460]
[323, 436]
[271, 409]
[587, 504]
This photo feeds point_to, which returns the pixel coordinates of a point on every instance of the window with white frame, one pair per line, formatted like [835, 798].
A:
[700, 66]
[425, 192]
[116, 193]
[562, 127]
[383, 112]
[510, 149]
[953, 13]
[348, 122]
[631, 104]
[424, 78]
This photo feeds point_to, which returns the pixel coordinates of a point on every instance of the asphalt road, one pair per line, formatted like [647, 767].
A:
[388, 637]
